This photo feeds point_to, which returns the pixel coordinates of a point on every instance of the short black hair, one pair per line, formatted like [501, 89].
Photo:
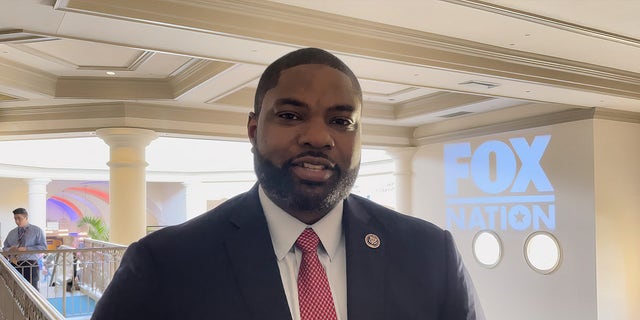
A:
[21, 211]
[271, 74]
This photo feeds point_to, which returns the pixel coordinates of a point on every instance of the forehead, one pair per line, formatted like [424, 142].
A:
[308, 72]
[316, 78]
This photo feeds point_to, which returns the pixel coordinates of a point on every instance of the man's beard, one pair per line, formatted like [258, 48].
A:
[288, 192]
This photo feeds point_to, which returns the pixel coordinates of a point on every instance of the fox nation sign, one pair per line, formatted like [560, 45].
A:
[500, 185]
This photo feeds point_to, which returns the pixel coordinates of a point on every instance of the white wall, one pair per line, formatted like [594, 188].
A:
[167, 201]
[617, 181]
[512, 290]
[166, 204]
[14, 193]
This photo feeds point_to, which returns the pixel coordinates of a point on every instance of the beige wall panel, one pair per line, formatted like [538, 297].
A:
[512, 290]
[617, 185]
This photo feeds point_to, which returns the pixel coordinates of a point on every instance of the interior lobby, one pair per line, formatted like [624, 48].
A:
[513, 124]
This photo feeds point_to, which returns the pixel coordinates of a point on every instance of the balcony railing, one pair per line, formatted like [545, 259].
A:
[71, 281]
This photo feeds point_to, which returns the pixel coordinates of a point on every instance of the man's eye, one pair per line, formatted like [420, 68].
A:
[288, 116]
[345, 122]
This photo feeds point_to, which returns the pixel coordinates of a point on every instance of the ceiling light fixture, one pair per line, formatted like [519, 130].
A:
[479, 84]
[111, 73]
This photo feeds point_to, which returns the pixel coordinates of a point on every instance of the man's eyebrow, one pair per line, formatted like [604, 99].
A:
[344, 107]
[298, 103]
[290, 101]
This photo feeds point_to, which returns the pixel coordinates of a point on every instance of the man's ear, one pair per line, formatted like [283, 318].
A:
[252, 127]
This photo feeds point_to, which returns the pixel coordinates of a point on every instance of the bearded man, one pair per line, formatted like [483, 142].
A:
[297, 245]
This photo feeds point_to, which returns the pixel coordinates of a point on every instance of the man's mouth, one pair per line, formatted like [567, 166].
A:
[313, 169]
[311, 166]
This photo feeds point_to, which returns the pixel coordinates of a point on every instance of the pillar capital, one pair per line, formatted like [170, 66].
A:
[38, 181]
[127, 145]
[126, 137]
[38, 185]
[402, 159]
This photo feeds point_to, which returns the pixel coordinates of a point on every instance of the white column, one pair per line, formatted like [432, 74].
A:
[38, 202]
[195, 204]
[127, 182]
[403, 172]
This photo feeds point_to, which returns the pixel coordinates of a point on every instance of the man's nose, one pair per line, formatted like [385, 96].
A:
[317, 135]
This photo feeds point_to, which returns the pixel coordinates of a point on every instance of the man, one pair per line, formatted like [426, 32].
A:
[297, 245]
[25, 237]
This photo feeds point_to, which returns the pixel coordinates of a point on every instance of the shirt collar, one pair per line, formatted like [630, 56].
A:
[285, 229]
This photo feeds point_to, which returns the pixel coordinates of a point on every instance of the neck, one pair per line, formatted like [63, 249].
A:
[307, 217]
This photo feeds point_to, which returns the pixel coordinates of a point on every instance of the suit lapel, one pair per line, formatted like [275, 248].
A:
[254, 263]
[365, 265]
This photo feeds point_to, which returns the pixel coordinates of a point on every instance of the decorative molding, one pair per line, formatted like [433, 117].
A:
[555, 23]
[120, 88]
[377, 111]
[21, 36]
[43, 55]
[546, 119]
[275, 22]
[232, 91]
[512, 125]
[142, 58]
[390, 95]
[185, 68]
[386, 136]
[7, 98]
[29, 122]
[26, 78]
[67, 119]
[617, 115]
[194, 73]
[71, 112]
[436, 102]
[241, 98]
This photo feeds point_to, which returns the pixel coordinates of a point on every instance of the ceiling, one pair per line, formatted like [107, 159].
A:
[189, 68]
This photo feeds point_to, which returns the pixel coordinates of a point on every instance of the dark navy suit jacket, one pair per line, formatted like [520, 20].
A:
[221, 265]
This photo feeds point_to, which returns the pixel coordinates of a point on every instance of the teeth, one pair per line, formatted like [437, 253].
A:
[312, 166]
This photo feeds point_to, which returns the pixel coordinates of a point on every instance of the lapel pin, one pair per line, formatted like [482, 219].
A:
[372, 241]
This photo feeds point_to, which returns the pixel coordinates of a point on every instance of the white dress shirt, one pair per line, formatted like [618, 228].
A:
[285, 229]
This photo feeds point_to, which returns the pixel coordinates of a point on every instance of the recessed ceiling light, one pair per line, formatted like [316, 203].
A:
[111, 73]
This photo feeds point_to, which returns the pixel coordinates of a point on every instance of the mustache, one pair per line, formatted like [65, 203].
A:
[316, 154]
